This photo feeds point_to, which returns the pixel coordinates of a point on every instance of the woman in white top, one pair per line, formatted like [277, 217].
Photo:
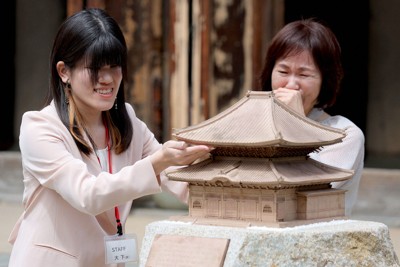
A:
[303, 68]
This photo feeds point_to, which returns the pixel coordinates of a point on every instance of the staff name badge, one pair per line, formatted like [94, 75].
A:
[121, 249]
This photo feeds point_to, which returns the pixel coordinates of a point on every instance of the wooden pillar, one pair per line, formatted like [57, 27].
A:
[142, 23]
[74, 6]
[178, 54]
[96, 3]
[228, 40]
[268, 18]
[205, 26]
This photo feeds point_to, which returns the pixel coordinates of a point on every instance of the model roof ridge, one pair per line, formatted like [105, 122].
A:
[260, 120]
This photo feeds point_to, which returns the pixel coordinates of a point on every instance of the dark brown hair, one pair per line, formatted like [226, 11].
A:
[93, 36]
[315, 37]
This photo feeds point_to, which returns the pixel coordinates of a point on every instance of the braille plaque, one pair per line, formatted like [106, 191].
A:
[187, 251]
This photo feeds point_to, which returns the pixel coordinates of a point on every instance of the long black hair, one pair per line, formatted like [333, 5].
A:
[95, 37]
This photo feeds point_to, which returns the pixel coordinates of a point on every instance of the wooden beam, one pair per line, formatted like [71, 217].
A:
[74, 6]
[96, 3]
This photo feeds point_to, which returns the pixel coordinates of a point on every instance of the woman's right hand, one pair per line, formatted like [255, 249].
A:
[292, 98]
[177, 153]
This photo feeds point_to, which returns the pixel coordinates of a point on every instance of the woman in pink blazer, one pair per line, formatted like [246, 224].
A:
[86, 155]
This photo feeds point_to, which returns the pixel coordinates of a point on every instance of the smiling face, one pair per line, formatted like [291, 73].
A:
[91, 97]
[298, 72]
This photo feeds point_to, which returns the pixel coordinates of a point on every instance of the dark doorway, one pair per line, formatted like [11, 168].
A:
[7, 19]
[350, 24]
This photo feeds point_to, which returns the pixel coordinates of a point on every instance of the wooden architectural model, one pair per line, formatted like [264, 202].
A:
[259, 172]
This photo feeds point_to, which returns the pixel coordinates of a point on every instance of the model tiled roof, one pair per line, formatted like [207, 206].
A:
[260, 172]
[259, 125]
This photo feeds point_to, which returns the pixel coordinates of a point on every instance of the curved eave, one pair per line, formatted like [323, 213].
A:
[259, 120]
[270, 143]
[260, 172]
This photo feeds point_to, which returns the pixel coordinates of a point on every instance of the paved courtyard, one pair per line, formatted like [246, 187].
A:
[378, 201]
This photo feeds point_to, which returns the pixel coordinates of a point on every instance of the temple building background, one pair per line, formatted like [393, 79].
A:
[191, 59]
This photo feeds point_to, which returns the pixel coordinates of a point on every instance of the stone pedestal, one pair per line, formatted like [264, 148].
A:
[336, 243]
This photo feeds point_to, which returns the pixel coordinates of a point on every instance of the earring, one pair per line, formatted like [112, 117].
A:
[66, 97]
[115, 104]
[68, 85]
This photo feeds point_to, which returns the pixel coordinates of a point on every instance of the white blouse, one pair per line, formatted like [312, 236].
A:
[348, 154]
[102, 155]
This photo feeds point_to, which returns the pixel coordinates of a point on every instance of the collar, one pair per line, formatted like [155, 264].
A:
[318, 114]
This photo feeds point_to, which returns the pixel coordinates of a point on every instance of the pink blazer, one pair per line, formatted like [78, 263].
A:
[68, 200]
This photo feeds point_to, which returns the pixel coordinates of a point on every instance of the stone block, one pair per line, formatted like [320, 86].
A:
[336, 243]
